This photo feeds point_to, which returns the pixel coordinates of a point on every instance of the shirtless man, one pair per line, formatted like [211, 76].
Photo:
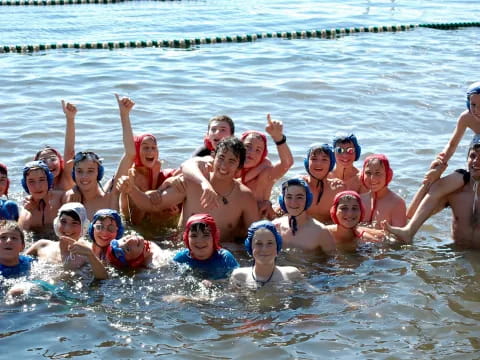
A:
[347, 150]
[42, 204]
[318, 163]
[219, 127]
[458, 190]
[297, 228]
[235, 208]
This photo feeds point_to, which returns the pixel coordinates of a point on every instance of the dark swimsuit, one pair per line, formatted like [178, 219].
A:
[466, 179]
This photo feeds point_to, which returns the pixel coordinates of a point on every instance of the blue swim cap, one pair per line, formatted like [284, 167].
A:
[297, 182]
[118, 252]
[106, 213]
[350, 138]
[36, 164]
[8, 210]
[262, 224]
[327, 149]
[472, 89]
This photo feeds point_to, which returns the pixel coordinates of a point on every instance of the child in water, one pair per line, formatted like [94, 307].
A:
[219, 127]
[12, 243]
[105, 226]
[8, 208]
[203, 253]
[263, 243]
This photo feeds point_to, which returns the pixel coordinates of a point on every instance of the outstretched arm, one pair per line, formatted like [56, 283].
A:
[70, 112]
[275, 129]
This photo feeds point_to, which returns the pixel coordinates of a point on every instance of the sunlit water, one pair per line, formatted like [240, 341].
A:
[400, 93]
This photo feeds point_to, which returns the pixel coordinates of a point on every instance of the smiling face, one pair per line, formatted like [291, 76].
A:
[3, 183]
[69, 226]
[264, 247]
[255, 148]
[348, 212]
[49, 157]
[375, 176]
[225, 164]
[200, 241]
[473, 162]
[11, 245]
[319, 164]
[104, 231]
[86, 172]
[295, 199]
[133, 247]
[148, 152]
[475, 105]
[345, 154]
[37, 183]
[217, 131]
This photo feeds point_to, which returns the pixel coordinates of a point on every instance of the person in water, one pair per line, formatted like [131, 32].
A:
[297, 228]
[380, 202]
[105, 226]
[459, 191]
[12, 243]
[203, 253]
[347, 151]
[71, 250]
[263, 243]
[61, 169]
[318, 163]
[42, 203]
[219, 127]
[8, 208]
[237, 206]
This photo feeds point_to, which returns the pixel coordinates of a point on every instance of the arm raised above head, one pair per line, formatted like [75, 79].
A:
[70, 111]
[275, 129]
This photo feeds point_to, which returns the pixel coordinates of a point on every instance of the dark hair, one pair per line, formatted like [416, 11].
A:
[12, 225]
[224, 118]
[72, 214]
[235, 146]
[3, 170]
[200, 227]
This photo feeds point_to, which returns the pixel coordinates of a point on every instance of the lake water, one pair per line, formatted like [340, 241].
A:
[400, 93]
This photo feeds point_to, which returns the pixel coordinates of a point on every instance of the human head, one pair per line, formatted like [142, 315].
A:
[101, 217]
[233, 145]
[256, 147]
[130, 251]
[87, 158]
[8, 210]
[219, 127]
[201, 226]
[29, 181]
[346, 140]
[295, 183]
[473, 89]
[71, 221]
[4, 181]
[12, 241]
[373, 166]
[314, 160]
[52, 158]
[146, 150]
[345, 197]
[258, 225]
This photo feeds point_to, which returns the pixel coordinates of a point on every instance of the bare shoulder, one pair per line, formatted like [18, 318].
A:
[394, 198]
[239, 275]
[290, 272]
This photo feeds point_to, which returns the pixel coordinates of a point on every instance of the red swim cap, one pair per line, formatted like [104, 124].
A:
[386, 164]
[336, 200]
[202, 219]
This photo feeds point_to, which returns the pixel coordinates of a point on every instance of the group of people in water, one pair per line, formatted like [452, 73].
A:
[221, 194]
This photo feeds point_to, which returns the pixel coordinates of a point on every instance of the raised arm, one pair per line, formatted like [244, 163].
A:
[462, 124]
[275, 129]
[70, 111]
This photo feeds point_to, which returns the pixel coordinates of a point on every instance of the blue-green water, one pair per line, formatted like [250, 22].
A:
[399, 92]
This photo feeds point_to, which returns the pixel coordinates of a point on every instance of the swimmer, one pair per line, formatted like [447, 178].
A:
[61, 169]
[263, 243]
[42, 204]
[297, 228]
[105, 226]
[8, 208]
[347, 150]
[203, 253]
[318, 163]
[380, 202]
[70, 226]
[134, 252]
[12, 243]
[219, 127]
[237, 206]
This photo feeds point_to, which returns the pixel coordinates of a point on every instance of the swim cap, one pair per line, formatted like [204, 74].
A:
[472, 89]
[88, 155]
[262, 224]
[336, 200]
[32, 165]
[4, 170]
[8, 210]
[202, 219]
[79, 209]
[350, 138]
[386, 164]
[57, 153]
[103, 213]
[138, 142]
[257, 134]
[295, 182]
[116, 255]
[327, 149]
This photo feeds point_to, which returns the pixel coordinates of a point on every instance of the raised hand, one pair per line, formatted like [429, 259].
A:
[69, 110]
[125, 104]
[274, 128]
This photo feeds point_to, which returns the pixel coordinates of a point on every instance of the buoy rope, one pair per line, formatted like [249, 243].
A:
[186, 43]
[61, 2]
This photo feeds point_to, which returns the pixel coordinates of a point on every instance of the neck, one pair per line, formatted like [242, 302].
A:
[342, 172]
[262, 272]
[90, 193]
[302, 218]
[381, 193]
[10, 262]
[343, 234]
[221, 185]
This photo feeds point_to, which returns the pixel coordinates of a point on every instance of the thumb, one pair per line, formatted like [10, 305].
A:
[269, 119]
[63, 104]
[117, 97]
[131, 174]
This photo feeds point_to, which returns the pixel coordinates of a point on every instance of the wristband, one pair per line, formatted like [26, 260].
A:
[281, 142]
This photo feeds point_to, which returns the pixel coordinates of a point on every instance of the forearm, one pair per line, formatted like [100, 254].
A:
[98, 269]
[417, 199]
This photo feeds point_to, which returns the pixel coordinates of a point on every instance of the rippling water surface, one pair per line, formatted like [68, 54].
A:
[400, 93]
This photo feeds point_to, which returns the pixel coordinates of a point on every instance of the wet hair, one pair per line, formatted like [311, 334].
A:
[200, 227]
[9, 225]
[72, 214]
[223, 118]
[235, 146]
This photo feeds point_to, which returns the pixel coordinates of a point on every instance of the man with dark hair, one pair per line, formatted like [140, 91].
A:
[219, 127]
